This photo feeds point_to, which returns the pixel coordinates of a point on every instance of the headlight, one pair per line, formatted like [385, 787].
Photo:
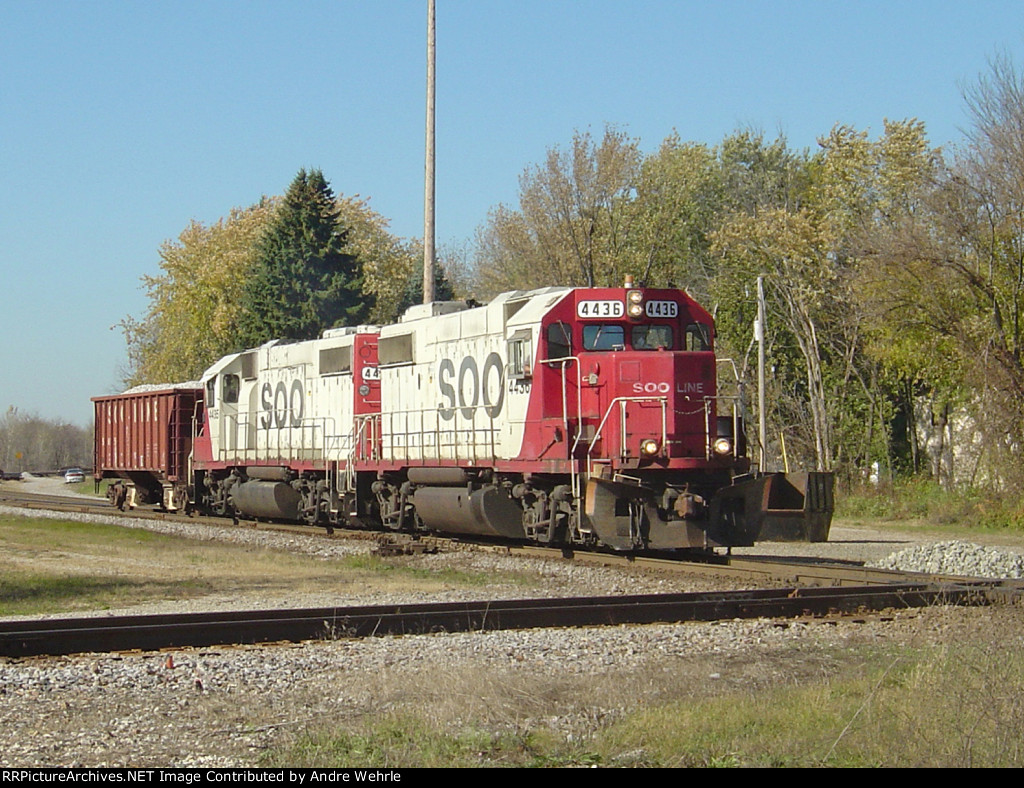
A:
[723, 446]
[635, 303]
[649, 447]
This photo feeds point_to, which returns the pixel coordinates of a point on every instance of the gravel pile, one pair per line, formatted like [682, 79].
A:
[955, 558]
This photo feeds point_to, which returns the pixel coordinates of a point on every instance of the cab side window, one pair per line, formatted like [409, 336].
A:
[559, 340]
[698, 337]
[231, 387]
[520, 363]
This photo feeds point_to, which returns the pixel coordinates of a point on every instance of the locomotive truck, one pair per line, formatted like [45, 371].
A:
[564, 416]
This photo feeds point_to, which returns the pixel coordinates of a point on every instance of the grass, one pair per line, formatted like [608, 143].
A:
[402, 740]
[88, 487]
[27, 591]
[922, 502]
[944, 706]
[120, 567]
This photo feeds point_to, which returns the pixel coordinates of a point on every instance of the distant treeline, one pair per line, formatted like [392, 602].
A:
[31, 443]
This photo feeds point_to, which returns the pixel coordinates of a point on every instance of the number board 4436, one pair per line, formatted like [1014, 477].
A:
[662, 309]
[600, 309]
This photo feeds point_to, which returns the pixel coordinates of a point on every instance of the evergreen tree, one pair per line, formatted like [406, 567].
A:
[412, 293]
[304, 278]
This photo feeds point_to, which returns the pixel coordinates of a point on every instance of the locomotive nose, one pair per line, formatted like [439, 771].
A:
[692, 403]
[664, 404]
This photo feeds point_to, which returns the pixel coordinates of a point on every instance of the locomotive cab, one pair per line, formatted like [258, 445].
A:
[646, 430]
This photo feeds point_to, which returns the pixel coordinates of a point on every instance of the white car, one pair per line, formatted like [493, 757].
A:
[73, 475]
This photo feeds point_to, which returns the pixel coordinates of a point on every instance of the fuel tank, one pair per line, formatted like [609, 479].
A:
[487, 511]
[272, 500]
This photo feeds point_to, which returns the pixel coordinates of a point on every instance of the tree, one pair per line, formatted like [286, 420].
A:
[803, 223]
[947, 275]
[193, 313]
[910, 361]
[306, 277]
[757, 174]
[387, 262]
[199, 303]
[31, 443]
[678, 199]
[392, 266]
[572, 226]
[789, 247]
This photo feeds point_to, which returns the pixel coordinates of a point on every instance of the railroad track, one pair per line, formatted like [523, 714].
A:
[760, 572]
[156, 632]
[791, 571]
[811, 587]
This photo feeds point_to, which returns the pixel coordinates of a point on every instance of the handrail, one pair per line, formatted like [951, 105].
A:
[237, 424]
[426, 425]
[565, 361]
[623, 403]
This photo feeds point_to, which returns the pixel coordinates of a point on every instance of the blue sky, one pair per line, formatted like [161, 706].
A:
[122, 121]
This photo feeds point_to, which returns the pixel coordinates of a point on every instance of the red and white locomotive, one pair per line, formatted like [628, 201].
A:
[571, 416]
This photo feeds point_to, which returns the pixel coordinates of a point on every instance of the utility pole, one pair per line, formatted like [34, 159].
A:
[761, 428]
[428, 196]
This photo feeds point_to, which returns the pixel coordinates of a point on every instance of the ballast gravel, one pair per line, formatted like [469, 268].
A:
[226, 707]
[955, 558]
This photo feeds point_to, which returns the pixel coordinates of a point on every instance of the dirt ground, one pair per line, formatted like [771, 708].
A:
[231, 707]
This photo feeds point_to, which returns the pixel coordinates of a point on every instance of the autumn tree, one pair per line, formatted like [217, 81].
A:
[193, 314]
[572, 226]
[947, 278]
[757, 174]
[804, 223]
[198, 303]
[761, 229]
[387, 262]
[789, 248]
[392, 267]
[306, 276]
[678, 201]
[891, 178]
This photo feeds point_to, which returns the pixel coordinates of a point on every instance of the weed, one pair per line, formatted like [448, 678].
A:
[406, 740]
[924, 501]
[958, 705]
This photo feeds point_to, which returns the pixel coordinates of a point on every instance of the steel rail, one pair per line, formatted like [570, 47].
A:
[789, 571]
[156, 632]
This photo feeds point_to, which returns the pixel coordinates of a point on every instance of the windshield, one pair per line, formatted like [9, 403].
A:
[652, 337]
[604, 337]
[612, 336]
